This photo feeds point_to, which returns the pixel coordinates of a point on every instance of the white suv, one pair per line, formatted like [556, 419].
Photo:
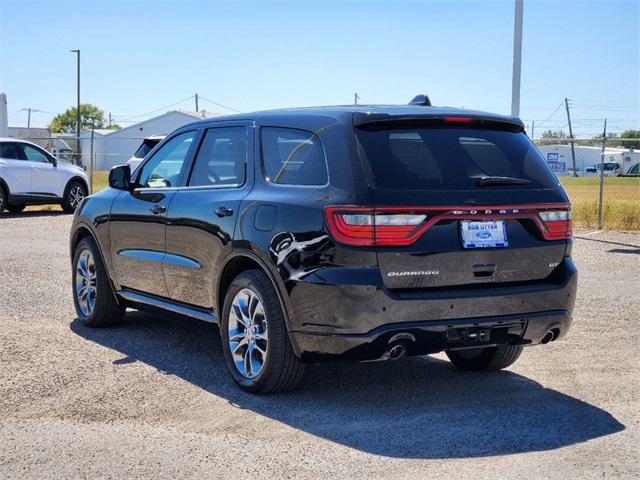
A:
[147, 145]
[30, 175]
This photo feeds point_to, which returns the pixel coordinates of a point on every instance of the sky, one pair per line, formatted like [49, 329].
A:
[141, 58]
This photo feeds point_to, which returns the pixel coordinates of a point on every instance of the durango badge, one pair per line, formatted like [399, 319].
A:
[415, 273]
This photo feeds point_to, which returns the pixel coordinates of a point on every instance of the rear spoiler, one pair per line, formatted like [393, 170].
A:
[361, 119]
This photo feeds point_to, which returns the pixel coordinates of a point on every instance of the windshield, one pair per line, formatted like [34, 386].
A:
[452, 158]
[610, 166]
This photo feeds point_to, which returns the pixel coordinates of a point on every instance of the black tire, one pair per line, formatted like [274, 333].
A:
[107, 309]
[3, 199]
[15, 208]
[281, 370]
[485, 359]
[73, 195]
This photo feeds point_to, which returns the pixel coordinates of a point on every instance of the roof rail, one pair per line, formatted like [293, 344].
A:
[421, 99]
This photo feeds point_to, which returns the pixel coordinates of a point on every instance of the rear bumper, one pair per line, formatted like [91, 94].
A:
[360, 321]
[421, 338]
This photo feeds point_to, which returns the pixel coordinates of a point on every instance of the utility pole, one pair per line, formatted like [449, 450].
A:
[78, 108]
[109, 120]
[533, 126]
[93, 128]
[197, 109]
[356, 97]
[517, 59]
[29, 117]
[573, 150]
[600, 194]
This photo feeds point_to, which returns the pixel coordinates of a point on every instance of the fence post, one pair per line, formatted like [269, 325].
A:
[93, 127]
[600, 193]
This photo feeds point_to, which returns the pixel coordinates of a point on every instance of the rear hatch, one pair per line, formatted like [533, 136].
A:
[457, 201]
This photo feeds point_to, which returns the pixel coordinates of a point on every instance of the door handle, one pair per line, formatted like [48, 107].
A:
[156, 209]
[223, 212]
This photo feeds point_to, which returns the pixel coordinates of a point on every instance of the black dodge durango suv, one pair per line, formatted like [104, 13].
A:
[354, 233]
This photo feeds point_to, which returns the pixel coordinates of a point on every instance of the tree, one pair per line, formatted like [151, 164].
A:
[635, 144]
[550, 137]
[113, 126]
[66, 122]
[613, 139]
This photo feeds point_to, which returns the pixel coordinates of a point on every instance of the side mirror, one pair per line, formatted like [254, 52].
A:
[120, 177]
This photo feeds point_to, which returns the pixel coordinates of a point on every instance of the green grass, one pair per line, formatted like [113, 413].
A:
[100, 180]
[621, 201]
[633, 181]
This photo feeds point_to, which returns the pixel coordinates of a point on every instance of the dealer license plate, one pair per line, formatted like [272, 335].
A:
[483, 234]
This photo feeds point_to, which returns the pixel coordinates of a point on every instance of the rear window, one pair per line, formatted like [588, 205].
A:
[451, 158]
[9, 151]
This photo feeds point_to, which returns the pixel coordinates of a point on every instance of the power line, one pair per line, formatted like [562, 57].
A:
[554, 112]
[220, 105]
[129, 117]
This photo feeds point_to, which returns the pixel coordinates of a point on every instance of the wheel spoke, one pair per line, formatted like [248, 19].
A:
[258, 313]
[247, 361]
[236, 314]
[237, 336]
[244, 310]
[253, 305]
[262, 351]
[238, 346]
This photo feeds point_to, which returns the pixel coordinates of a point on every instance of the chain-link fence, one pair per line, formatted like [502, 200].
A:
[602, 181]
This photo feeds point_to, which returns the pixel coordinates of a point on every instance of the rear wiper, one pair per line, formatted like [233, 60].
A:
[482, 181]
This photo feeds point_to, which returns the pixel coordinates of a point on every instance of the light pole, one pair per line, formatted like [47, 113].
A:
[517, 59]
[78, 109]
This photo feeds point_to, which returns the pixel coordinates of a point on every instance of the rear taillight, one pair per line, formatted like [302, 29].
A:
[360, 226]
[556, 223]
[402, 225]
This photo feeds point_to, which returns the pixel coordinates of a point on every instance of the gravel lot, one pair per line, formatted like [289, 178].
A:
[151, 398]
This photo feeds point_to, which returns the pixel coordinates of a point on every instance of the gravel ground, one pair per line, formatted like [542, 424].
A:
[151, 398]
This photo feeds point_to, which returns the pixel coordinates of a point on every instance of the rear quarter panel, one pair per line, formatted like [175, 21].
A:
[285, 225]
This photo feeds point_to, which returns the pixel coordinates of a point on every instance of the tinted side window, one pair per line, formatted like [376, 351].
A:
[34, 155]
[165, 168]
[293, 157]
[221, 157]
[9, 151]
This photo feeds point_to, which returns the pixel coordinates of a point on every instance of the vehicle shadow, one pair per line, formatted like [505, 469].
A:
[624, 250]
[411, 408]
[608, 242]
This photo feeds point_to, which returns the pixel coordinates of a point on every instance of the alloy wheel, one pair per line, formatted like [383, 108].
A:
[85, 284]
[248, 333]
[76, 194]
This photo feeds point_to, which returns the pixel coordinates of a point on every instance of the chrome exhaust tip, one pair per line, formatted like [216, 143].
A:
[396, 352]
[548, 337]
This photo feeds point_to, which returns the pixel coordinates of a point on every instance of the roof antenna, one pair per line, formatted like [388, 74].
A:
[422, 100]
